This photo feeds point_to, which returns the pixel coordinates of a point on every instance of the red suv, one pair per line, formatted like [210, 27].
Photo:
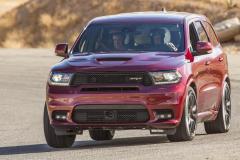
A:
[161, 71]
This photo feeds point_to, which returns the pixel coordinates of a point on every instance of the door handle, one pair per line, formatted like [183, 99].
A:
[220, 59]
[207, 63]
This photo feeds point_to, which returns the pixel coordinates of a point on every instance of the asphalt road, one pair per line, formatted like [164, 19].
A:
[23, 74]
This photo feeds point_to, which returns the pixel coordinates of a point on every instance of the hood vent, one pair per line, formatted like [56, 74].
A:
[113, 59]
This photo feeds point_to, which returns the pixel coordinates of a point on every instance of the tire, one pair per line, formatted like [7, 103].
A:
[222, 123]
[53, 140]
[185, 131]
[101, 135]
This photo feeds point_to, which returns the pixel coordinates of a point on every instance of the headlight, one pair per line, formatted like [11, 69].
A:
[60, 79]
[168, 77]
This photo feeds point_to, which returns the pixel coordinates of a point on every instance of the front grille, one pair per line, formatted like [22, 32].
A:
[110, 89]
[110, 114]
[112, 78]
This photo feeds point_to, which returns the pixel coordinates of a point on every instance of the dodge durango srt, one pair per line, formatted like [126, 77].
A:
[161, 71]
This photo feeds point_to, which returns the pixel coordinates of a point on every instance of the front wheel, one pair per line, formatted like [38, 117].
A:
[53, 140]
[186, 129]
[222, 123]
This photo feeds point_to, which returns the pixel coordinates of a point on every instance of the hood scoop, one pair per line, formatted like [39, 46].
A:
[113, 59]
[78, 60]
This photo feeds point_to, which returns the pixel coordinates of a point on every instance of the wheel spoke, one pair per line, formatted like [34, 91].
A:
[227, 119]
[194, 109]
[228, 103]
[192, 125]
[228, 109]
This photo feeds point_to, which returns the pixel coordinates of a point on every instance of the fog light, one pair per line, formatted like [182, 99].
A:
[163, 114]
[169, 115]
[59, 115]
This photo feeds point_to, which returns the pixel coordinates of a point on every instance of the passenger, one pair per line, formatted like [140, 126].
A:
[157, 37]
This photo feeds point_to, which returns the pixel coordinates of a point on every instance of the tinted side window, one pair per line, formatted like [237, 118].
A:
[193, 37]
[211, 34]
[201, 32]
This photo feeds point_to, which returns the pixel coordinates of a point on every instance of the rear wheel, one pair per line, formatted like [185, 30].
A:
[52, 139]
[222, 123]
[186, 129]
[101, 135]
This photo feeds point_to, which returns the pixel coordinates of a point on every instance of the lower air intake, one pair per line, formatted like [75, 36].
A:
[110, 114]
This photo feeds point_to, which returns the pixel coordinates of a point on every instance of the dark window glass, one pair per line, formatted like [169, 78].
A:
[193, 37]
[201, 32]
[211, 33]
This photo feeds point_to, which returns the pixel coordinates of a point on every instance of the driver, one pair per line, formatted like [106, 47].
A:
[118, 40]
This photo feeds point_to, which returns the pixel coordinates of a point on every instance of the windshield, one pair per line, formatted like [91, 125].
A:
[131, 38]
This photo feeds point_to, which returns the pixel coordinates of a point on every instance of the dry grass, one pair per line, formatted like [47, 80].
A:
[43, 23]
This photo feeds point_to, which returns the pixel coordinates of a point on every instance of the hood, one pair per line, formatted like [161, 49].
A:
[148, 61]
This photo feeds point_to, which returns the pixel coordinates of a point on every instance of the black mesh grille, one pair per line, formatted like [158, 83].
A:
[109, 89]
[109, 115]
[112, 78]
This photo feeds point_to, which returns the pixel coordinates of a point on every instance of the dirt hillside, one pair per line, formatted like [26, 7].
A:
[6, 5]
[43, 23]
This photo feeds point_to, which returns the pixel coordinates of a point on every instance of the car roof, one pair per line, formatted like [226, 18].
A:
[148, 17]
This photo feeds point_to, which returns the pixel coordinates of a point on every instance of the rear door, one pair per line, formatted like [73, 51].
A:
[209, 89]
[217, 66]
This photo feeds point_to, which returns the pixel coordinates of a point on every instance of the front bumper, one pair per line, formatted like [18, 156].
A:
[152, 98]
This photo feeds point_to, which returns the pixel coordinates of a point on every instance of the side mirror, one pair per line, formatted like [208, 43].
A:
[61, 49]
[204, 47]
